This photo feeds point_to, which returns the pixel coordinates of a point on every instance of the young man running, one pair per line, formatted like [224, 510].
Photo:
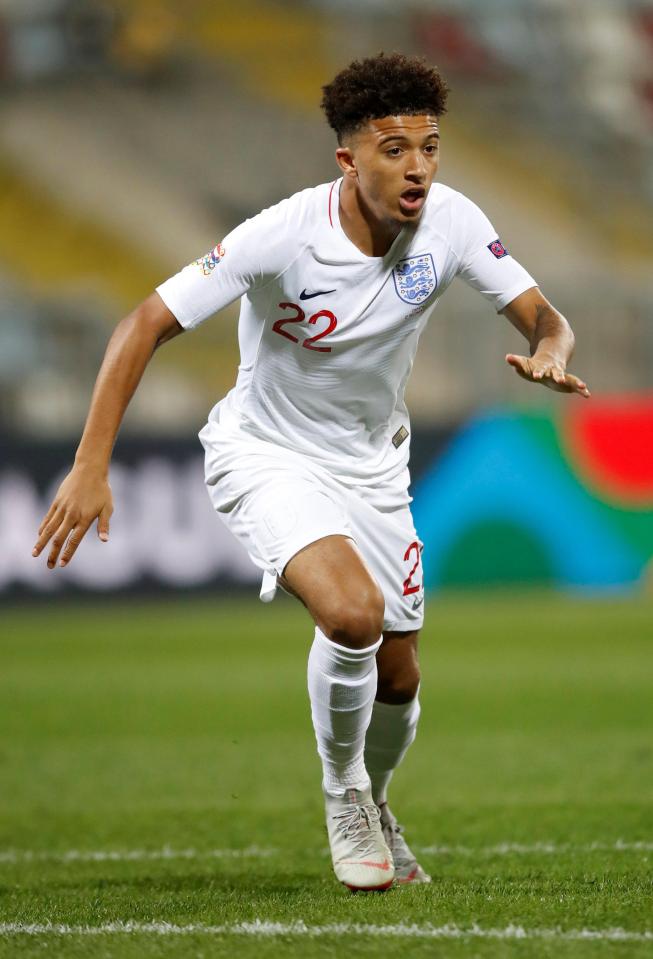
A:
[307, 456]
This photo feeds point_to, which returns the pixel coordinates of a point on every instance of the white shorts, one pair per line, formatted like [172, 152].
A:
[276, 503]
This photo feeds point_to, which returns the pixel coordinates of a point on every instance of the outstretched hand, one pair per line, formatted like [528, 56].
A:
[84, 495]
[549, 372]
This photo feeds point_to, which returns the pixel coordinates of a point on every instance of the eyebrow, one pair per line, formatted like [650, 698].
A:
[400, 136]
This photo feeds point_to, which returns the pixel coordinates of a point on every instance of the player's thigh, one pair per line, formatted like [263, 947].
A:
[334, 582]
[393, 552]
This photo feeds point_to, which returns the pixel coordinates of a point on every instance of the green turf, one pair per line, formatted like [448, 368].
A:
[184, 724]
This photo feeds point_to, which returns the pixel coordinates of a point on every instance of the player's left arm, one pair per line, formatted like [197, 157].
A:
[551, 342]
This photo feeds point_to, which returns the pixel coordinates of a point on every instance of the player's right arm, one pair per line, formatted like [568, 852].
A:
[250, 256]
[85, 494]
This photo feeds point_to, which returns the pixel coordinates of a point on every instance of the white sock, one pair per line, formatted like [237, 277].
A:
[342, 687]
[391, 731]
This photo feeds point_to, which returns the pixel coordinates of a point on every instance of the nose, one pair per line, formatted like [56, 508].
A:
[416, 168]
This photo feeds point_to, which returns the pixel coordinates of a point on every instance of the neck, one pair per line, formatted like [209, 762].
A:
[372, 236]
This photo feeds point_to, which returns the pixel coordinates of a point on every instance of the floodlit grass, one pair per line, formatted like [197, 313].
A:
[172, 732]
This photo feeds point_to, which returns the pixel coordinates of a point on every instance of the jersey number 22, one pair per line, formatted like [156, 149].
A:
[299, 317]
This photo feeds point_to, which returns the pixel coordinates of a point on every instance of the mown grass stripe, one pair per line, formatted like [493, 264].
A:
[262, 928]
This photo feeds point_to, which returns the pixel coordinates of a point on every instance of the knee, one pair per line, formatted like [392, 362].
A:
[399, 685]
[358, 623]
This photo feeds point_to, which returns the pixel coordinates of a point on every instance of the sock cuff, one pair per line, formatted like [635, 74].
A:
[345, 654]
[395, 712]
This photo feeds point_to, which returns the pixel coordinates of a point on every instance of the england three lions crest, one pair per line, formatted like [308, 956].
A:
[415, 278]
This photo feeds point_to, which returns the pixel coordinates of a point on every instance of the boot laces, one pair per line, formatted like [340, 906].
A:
[392, 832]
[357, 825]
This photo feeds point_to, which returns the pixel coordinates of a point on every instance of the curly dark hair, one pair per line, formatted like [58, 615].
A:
[382, 86]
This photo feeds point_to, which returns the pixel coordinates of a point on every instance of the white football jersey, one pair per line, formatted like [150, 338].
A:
[327, 334]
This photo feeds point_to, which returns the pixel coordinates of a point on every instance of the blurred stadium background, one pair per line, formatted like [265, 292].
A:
[143, 725]
[134, 134]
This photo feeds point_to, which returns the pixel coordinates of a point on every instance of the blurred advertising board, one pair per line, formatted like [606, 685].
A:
[163, 533]
[564, 499]
[508, 497]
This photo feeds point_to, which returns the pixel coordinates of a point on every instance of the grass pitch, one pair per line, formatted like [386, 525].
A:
[157, 766]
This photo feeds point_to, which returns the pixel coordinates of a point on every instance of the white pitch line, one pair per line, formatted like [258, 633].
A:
[263, 929]
[132, 855]
[548, 848]
[261, 852]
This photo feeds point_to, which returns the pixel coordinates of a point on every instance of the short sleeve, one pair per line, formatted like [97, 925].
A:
[486, 264]
[248, 257]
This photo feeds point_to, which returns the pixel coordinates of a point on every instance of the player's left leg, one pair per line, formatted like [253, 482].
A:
[391, 732]
[395, 712]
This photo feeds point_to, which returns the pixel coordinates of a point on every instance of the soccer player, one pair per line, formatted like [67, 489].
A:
[307, 456]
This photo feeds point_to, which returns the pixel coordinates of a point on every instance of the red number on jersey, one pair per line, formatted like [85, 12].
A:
[318, 336]
[299, 317]
[408, 586]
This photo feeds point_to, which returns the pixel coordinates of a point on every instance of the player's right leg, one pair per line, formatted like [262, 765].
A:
[292, 520]
[390, 544]
[334, 583]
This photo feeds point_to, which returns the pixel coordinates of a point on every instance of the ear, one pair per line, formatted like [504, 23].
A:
[346, 162]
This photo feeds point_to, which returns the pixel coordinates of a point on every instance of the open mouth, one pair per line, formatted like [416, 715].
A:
[413, 198]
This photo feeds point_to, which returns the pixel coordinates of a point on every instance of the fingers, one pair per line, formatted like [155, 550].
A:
[103, 524]
[521, 364]
[60, 536]
[48, 516]
[517, 361]
[567, 383]
[548, 370]
[576, 385]
[81, 497]
[534, 369]
[65, 531]
[56, 532]
[76, 536]
[549, 373]
[47, 529]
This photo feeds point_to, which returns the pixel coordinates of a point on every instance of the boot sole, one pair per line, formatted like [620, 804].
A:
[383, 888]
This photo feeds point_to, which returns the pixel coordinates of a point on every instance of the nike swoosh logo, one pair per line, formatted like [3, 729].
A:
[417, 603]
[309, 296]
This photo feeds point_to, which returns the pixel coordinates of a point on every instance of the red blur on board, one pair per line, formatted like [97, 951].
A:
[610, 440]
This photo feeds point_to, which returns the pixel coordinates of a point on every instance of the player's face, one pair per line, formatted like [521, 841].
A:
[394, 161]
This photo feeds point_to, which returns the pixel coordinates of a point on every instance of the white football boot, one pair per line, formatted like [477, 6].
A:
[407, 868]
[361, 858]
